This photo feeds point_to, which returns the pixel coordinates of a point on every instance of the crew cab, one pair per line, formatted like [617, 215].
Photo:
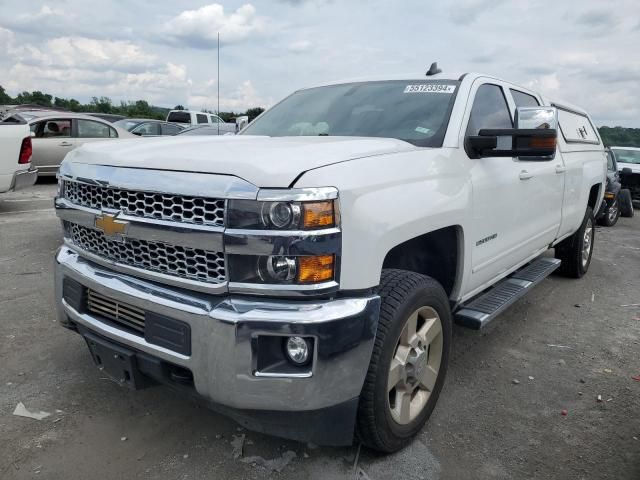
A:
[16, 171]
[304, 275]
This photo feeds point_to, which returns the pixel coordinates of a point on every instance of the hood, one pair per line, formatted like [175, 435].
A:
[635, 167]
[264, 161]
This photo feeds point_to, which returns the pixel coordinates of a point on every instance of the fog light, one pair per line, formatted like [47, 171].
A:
[298, 350]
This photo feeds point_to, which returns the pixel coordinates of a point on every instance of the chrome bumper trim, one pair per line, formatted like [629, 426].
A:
[273, 242]
[223, 331]
[297, 194]
[24, 179]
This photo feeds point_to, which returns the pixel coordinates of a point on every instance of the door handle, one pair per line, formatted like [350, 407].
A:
[560, 169]
[65, 144]
[524, 175]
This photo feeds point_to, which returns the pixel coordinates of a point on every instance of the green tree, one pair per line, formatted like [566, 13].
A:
[5, 99]
[252, 113]
[178, 107]
[36, 97]
[102, 104]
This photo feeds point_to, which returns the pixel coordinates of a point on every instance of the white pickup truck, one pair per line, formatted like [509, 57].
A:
[16, 171]
[190, 117]
[304, 276]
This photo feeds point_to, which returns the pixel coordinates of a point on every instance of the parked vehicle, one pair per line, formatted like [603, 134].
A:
[109, 117]
[304, 276]
[610, 207]
[191, 117]
[16, 170]
[628, 159]
[200, 130]
[144, 127]
[54, 134]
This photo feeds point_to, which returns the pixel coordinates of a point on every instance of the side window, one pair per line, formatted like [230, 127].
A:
[147, 128]
[490, 110]
[52, 129]
[214, 119]
[522, 99]
[576, 127]
[91, 129]
[202, 118]
[168, 129]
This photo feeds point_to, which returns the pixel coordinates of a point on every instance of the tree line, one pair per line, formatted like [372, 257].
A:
[137, 109]
[619, 136]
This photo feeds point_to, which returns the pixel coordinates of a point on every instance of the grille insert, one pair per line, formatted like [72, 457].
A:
[121, 313]
[161, 206]
[185, 262]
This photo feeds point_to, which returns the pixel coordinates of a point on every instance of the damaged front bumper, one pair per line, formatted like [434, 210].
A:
[232, 357]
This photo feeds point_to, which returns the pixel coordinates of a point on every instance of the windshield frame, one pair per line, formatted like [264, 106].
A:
[436, 141]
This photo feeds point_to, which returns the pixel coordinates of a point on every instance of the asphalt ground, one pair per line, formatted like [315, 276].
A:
[566, 345]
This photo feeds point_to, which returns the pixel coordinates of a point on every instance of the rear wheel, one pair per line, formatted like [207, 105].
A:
[575, 252]
[626, 202]
[408, 363]
[611, 214]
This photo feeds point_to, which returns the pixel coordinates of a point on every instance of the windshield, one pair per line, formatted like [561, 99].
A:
[626, 156]
[128, 125]
[409, 110]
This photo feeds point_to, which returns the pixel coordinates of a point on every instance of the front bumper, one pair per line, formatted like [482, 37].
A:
[224, 330]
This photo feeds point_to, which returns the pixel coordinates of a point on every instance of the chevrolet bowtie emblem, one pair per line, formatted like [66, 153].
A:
[110, 226]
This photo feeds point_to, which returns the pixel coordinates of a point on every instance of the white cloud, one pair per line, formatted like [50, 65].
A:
[199, 28]
[545, 84]
[301, 46]
[244, 96]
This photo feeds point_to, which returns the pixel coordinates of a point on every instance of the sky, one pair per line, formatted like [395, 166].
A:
[584, 52]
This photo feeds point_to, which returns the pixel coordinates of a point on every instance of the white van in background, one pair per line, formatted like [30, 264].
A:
[192, 117]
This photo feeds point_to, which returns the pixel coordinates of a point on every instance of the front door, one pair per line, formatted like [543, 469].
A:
[516, 207]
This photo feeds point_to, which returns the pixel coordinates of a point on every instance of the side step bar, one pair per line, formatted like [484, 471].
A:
[481, 310]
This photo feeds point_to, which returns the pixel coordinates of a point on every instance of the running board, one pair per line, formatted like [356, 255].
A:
[481, 310]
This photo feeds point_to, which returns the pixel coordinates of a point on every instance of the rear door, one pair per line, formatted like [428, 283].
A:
[52, 140]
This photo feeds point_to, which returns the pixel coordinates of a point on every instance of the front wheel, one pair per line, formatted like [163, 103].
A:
[576, 251]
[408, 363]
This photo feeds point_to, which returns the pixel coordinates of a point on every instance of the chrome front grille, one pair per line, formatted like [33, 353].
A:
[160, 206]
[126, 315]
[175, 260]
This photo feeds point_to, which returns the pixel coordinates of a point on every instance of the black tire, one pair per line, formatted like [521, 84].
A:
[402, 293]
[610, 215]
[570, 250]
[626, 203]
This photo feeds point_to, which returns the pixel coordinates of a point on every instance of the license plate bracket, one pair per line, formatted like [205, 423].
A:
[116, 362]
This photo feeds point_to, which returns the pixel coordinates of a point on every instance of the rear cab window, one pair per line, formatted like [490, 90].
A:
[179, 117]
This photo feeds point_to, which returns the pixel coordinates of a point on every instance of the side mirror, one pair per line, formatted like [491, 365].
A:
[533, 138]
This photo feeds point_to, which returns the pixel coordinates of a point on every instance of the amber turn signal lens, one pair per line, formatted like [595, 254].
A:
[315, 269]
[609, 195]
[543, 142]
[318, 215]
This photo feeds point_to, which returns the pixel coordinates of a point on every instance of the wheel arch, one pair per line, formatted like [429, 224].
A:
[438, 254]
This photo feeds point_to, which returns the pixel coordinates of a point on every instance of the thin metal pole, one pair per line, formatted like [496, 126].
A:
[218, 83]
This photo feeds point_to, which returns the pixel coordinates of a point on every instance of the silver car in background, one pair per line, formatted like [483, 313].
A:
[54, 134]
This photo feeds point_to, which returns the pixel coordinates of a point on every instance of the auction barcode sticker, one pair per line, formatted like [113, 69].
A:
[430, 88]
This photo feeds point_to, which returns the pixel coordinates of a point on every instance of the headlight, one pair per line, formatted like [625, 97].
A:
[255, 215]
[281, 269]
